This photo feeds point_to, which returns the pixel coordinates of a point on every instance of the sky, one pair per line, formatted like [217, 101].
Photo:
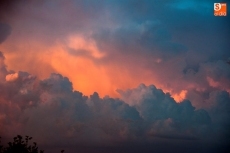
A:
[114, 76]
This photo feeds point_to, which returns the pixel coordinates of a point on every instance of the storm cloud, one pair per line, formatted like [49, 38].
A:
[52, 106]
[92, 74]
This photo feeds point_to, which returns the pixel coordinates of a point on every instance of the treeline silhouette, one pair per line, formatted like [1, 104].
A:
[20, 145]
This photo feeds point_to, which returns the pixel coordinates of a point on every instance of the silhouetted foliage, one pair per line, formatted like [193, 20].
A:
[20, 145]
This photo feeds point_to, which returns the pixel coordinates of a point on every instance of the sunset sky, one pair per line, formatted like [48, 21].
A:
[115, 75]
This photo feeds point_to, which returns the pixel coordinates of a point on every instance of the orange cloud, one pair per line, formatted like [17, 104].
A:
[85, 75]
[85, 66]
[179, 97]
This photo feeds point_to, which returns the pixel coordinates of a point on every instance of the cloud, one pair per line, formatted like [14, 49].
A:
[210, 77]
[219, 110]
[29, 104]
[23, 76]
[3, 70]
[108, 45]
[5, 31]
[164, 46]
[164, 114]
[144, 114]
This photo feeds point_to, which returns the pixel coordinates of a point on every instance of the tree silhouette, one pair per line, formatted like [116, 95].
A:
[19, 145]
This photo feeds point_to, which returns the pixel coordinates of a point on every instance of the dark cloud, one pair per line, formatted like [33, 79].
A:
[3, 70]
[144, 115]
[219, 109]
[5, 31]
[180, 44]
[167, 28]
[209, 77]
[148, 37]
[165, 116]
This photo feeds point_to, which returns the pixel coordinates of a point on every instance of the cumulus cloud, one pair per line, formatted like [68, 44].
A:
[165, 39]
[163, 113]
[23, 76]
[219, 110]
[55, 95]
[107, 45]
[53, 107]
[57, 112]
[210, 77]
